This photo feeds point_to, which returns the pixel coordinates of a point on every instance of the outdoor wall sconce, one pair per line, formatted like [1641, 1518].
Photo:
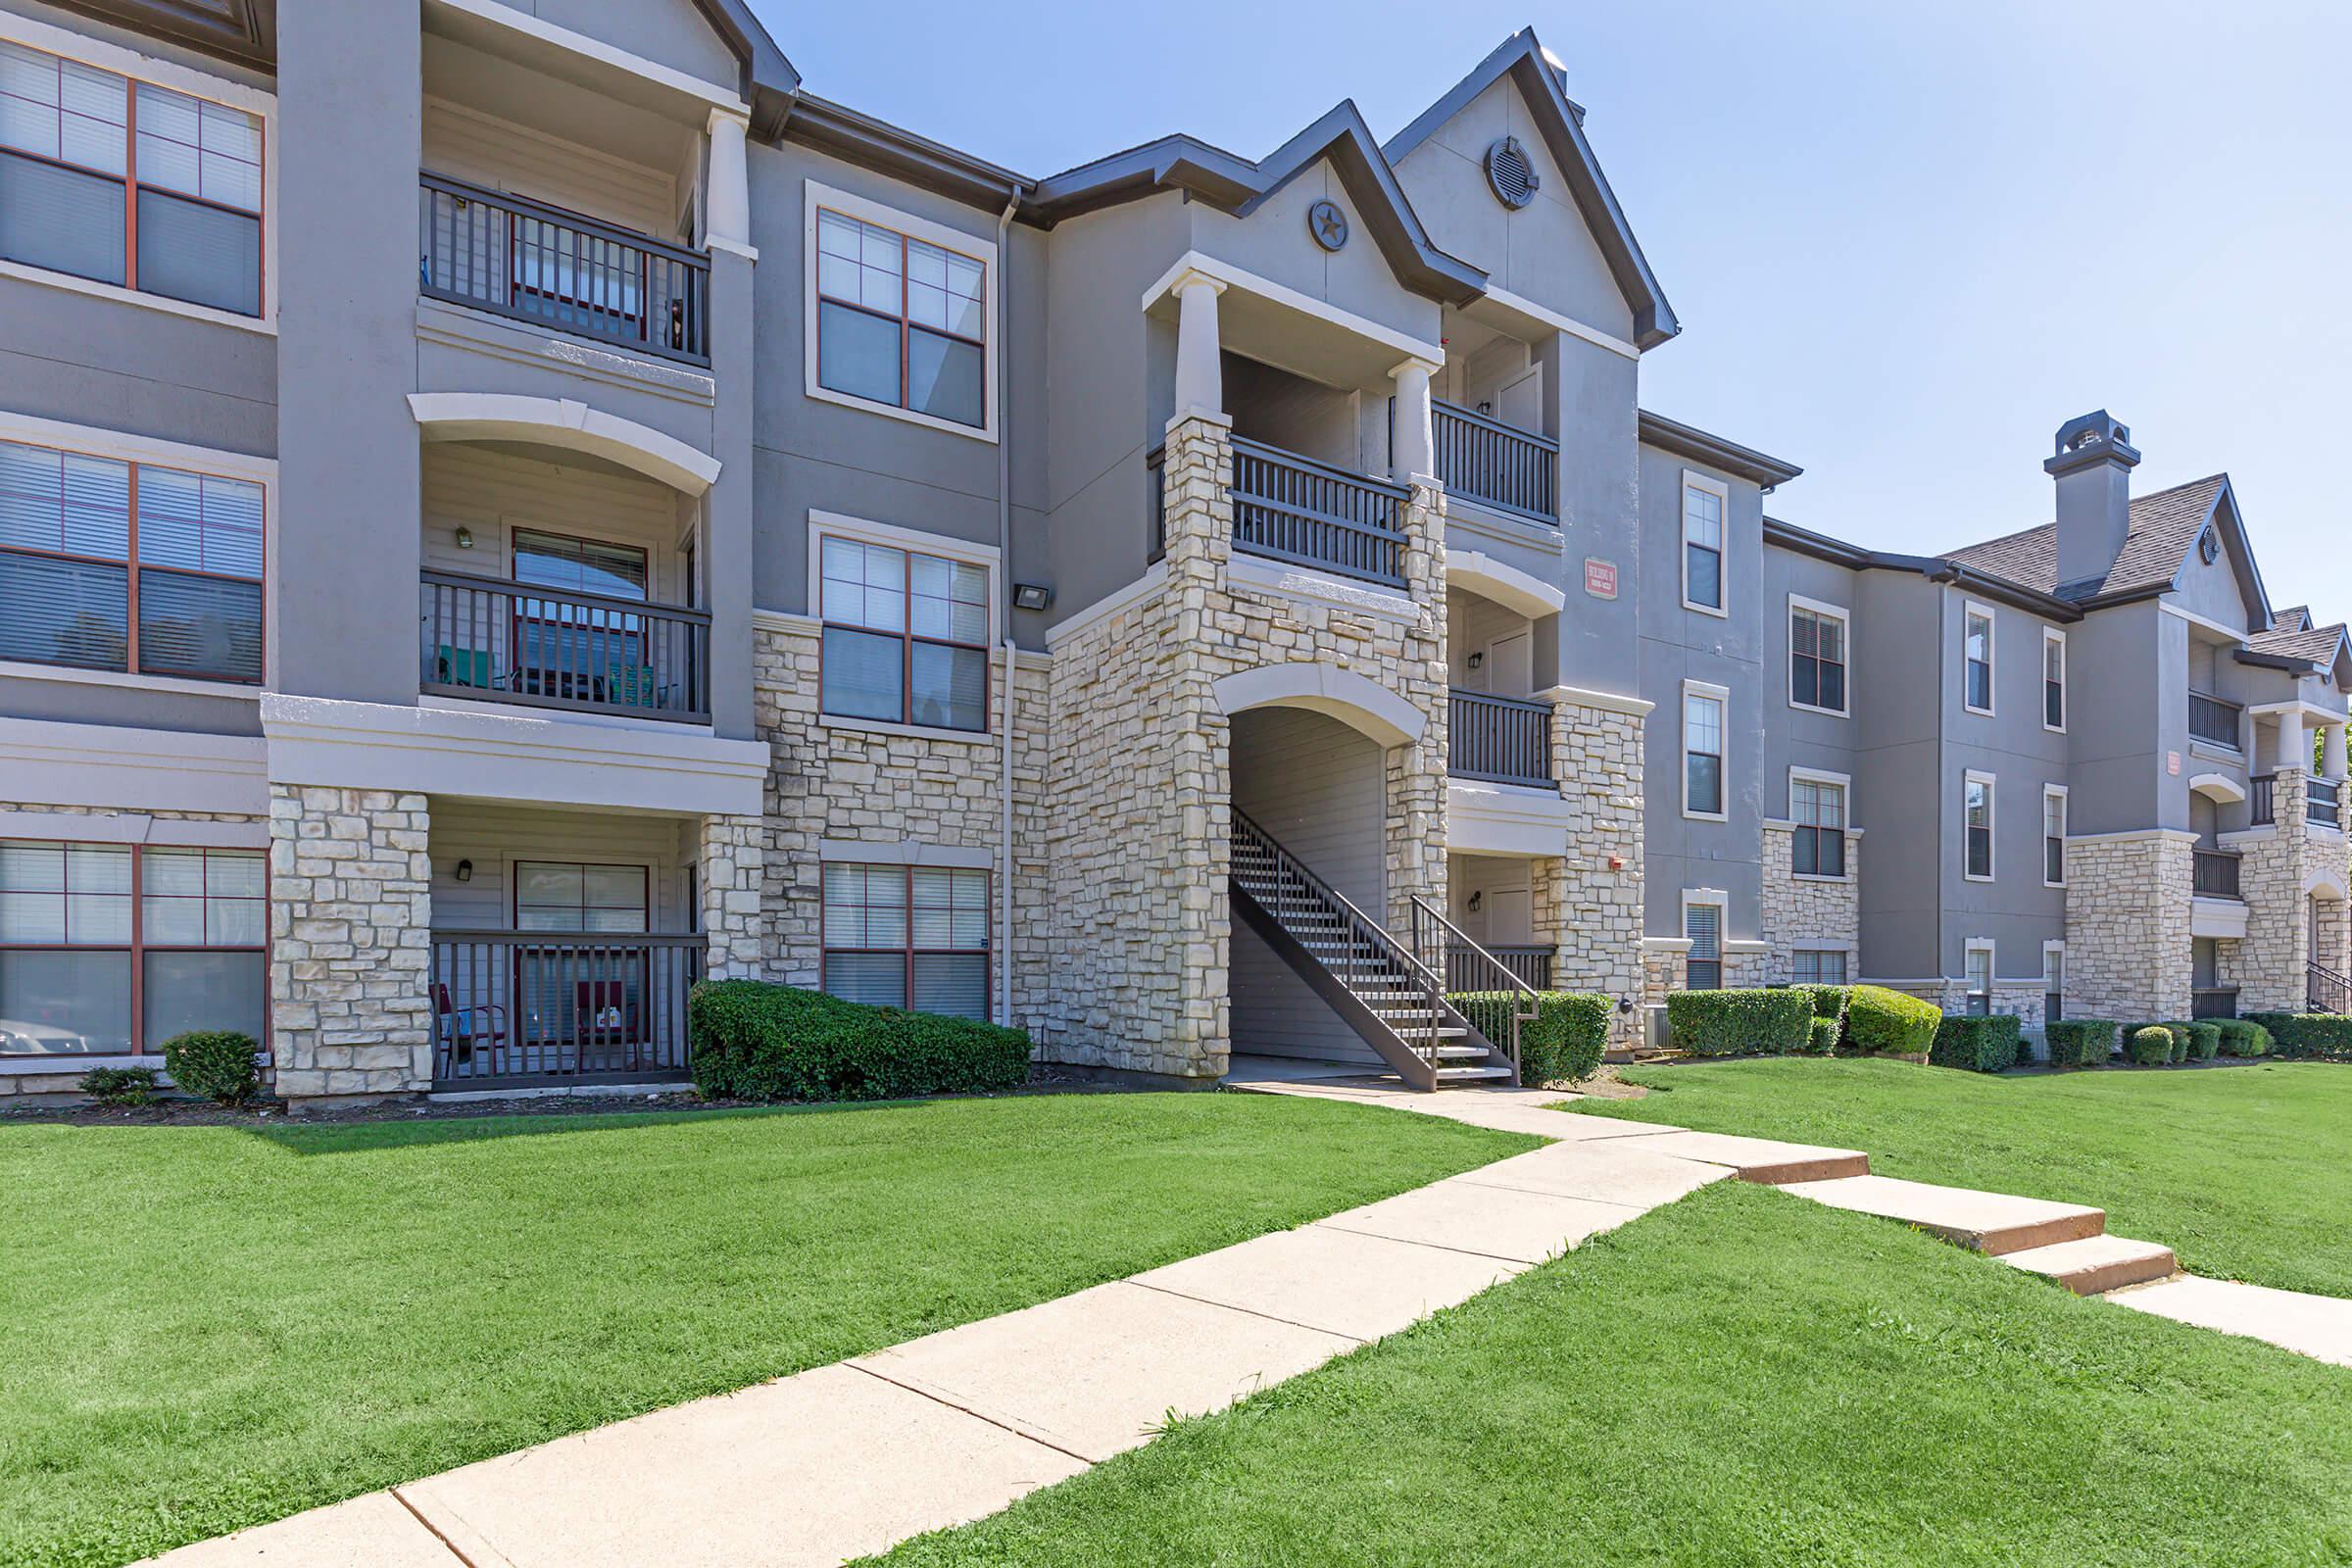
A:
[465, 538]
[1031, 596]
[1475, 660]
[1476, 899]
[465, 870]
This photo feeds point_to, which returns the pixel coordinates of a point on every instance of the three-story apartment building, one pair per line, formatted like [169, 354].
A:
[506, 510]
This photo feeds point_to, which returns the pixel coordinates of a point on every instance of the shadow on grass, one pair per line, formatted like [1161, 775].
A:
[427, 1131]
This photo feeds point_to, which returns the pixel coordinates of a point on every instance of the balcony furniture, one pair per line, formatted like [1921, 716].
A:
[530, 262]
[1490, 462]
[536, 647]
[459, 1031]
[2214, 873]
[601, 1006]
[1501, 740]
[2214, 720]
[1295, 508]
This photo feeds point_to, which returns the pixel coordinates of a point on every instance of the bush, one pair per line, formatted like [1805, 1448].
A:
[753, 1041]
[2307, 1036]
[1882, 1020]
[2204, 1040]
[2080, 1042]
[1726, 1023]
[120, 1085]
[1828, 1002]
[2150, 1044]
[1980, 1045]
[1563, 1043]
[2243, 1037]
[219, 1064]
[1822, 1036]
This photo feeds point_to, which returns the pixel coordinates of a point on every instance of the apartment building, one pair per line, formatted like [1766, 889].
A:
[506, 510]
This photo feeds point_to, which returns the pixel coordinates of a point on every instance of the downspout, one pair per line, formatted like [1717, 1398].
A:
[1012, 202]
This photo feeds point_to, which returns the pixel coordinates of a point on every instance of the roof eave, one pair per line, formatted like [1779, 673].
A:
[1687, 440]
[917, 159]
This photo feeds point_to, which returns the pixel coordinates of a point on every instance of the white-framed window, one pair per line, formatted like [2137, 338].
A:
[1817, 966]
[1706, 504]
[1703, 709]
[907, 620]
[1976, 659]
[2053, 835]
[1702, 925]
[899, 314]
[908, 936]
[1977, 969]
[1976, 821]
[1816, 807]
[2053, 680]
[2053, 981]
[1817, 657]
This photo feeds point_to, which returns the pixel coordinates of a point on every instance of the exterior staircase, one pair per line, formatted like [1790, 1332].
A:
[1394, 1000]
[2327, 991]
[2063, 1241]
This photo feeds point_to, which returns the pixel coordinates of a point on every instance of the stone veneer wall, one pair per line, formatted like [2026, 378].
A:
[1587, 908]
[1810, 912]
[351, 912]
[2128, 943]
[730, 881]
[2280, 859]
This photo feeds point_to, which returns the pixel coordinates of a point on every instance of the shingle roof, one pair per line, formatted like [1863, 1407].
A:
[2164, 526]
[2296, 620]
[2302, 640]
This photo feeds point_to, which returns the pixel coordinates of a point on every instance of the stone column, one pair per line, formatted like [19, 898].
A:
[730, 869]
[1417, 773]
[1199, 380]
[2294, 748]
[2129, 946]
[1596, 917]
[2331, 757]
[2272, 959]
[1412, 451]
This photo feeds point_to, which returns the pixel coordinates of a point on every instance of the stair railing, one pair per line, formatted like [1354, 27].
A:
[2326, 989]
[1441, 945]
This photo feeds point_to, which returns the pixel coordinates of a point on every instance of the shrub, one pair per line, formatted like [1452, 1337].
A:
[1821, 1038]
[1828, 1002]
[2243, 1037]
[1980, 1045]
[2080, 1042]
[120, 1085]
[2204, 1040]
[2152, 1044]
[1888, 1021]
[219, 1064]
[1563, 1043]
[1725, 1023]
[753, 1041]
[2307, 1036]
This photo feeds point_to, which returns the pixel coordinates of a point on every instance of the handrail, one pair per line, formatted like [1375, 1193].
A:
[2323, 986]
[1300, 460]
[1526, 1002]
[561, 216]
[1485, 460]
[2206, 713]
[532, 590]
[1296, 509]
[538, 646]
[1504, 740]
[590, 939]
[2214, 873]
[513, 1009]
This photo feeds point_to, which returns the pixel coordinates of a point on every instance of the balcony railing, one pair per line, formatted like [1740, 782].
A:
[518, 258]
[2214, 719]
[2213, 1001]
[1298, 510]
[1530, 963]
[1503, 739]
[2326, 796]
[514, 642]
[2262, 799]
[519, 1007]
[2214, 873]
[1489, 461]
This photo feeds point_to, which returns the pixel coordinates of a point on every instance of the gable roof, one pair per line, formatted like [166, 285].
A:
[1561, 124]
[2293, 636]
[2164, 528]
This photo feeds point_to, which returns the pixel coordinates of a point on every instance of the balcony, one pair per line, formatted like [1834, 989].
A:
[1310, 514]
[518, 643]
[519, 1009]
[2213, 1001]
[529, 262]
[2326, 798]
[2213, 874]
[2323, 800]
[1490, 462]
[1501, 740]
[2214, 720]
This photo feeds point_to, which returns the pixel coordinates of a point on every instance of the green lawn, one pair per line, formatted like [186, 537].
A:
[209, 1327]
[2245, 1172]
[1741, 1377]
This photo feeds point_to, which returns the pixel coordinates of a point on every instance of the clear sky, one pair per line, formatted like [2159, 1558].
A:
[1905, 241]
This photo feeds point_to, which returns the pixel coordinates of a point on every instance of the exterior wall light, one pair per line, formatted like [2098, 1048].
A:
[1031, 596]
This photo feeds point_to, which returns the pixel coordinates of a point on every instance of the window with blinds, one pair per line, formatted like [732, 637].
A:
[913, 936]
[1818, 845]
[905, 636]
[1702, 923]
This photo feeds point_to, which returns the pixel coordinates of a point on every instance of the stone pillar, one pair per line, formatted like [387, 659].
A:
[351, 914]
[2272, 961]
[1819, 913]
[1199, 380]
[1594, 919]
[727, 207]
[1412, 453]
[729, 870]
[2129, 947]
[1417, 773]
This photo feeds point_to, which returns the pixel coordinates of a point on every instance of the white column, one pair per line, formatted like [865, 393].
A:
[2294, 750]
[728, 204]
[2331, 758]
[1200, 383]
[1414, 446]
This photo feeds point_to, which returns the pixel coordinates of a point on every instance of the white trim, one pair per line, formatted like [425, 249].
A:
[1846, 641]
[785, 620]
[905, 851]
[1564, 323]
[2065, 820]
[1483, 818]
[2066, 681]
[178, 685]
[2315, 712]
[1309, 586]
[2326, 878]
[596, 49]
[266, 326]
[1721, 902]
[1722, 697]
[567, 423]
[2218, 786]
[1505, 584]
[1971, 609]
[1155, 577]
[2224, 919]
[133, 827]
[1606, 702]
[2225, 632]
[1822, 775]
[1992, 824]
[118, 766]
[2158, 835]
[1693, 479]
[1845, 785]
[68, 1064]
[100, 442]
[1354, 699]
[917, 732]
[1248, 282]
[972, 247]
[1668, 944]
[823, 525]
[1986, 946]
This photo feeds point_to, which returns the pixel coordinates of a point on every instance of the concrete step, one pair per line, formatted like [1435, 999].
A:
[1471, 1075]
[2098, 1264]
[1766, 1162]
[1992, 1223]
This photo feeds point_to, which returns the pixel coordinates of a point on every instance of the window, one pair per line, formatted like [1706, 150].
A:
[901, 936]
[2053, 981]
[905, 636]
[1823, 967]
[2054, 836]
[106, 564]
[1702, 544]
[1702, 923]
[1702, 751]
[901, 321]
[2054, 679]
[1978, 965]
[555, 896]
[1977, 821]
[1977, 660]
[111, 949]
[128, 184]
[1816, 658]
[1818, 807]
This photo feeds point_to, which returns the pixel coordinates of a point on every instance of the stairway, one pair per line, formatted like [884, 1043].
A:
[1395, 1002]
[2063, 1241]
[2327, 991]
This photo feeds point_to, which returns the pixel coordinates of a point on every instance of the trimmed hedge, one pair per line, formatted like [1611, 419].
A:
[2243, 1037]
[1882, 1020]
[2195, 1040]
[1563, 1043]
[2080, 1042]
[1980, 1045]
[2307, 1036]
[754, 1041]
[1727, 1023]
[2150, 1044]
[1822, 1036]
[120, 1085]
[221, 1064]
[1828, 1002]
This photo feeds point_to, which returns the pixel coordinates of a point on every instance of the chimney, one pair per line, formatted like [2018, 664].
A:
[2093, 469]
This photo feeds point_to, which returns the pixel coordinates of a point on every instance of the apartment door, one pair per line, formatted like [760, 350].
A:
[1511, 918]
[1521, 403]
[1511, 664]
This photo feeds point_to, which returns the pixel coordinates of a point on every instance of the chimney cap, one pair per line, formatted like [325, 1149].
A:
[2097, 437]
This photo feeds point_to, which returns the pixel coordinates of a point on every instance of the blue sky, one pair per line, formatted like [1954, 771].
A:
[1906, 242]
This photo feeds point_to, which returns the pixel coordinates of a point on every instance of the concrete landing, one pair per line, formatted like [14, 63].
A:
[2317, 1326]
[1992, 1223]
[1763, 1160]
[2098, 1264]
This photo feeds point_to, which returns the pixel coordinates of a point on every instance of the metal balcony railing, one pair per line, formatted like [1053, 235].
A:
[1503, 739]
[2215, 874]
[522, 1007]
[1489, 461]
[1295, 508]
[520, 643]
[2215, 719]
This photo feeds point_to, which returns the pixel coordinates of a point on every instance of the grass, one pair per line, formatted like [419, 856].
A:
[2245, 1172]
[1741, 1377]
[210, 1327]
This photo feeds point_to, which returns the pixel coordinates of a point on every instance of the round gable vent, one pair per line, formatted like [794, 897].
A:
[1511, 173]
[2209, 546]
